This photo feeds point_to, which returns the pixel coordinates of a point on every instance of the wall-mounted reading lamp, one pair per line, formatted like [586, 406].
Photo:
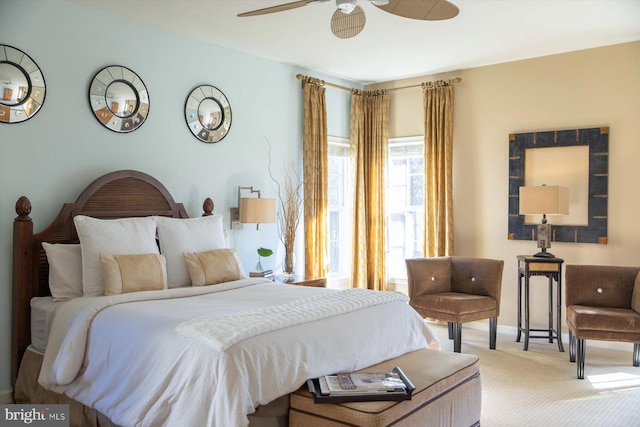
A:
[252, 210]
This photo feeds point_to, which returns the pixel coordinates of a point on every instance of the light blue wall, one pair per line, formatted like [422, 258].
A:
[53, 156]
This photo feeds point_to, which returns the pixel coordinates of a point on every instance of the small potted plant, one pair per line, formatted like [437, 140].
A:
[262, 253]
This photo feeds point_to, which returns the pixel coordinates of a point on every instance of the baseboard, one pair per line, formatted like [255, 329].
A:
[6, 396]
[513, 331]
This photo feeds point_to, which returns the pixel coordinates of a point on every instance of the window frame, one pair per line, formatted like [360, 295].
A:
[342, 278]
[398, 283]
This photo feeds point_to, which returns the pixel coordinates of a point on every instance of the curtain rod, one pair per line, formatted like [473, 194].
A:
[426, 85]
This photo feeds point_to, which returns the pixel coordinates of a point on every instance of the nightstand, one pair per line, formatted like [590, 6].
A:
[303, 281]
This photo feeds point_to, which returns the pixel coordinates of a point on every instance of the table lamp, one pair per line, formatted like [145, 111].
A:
[544, 200]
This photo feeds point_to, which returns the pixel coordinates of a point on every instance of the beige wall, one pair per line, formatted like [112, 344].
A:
[590, 88]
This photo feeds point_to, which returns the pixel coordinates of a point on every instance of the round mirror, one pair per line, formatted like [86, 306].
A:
[208, 114]
[119, 99]
[22, 87]
[13, 83]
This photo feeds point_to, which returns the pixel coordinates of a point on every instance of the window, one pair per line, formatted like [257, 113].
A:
[405, 220]
[405, 211]
[339, 212]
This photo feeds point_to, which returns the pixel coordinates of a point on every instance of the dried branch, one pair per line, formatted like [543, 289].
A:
[290, 198]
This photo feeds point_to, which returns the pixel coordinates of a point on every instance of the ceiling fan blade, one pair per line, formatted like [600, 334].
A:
[347, 25]
[429, 10]
[279, 8]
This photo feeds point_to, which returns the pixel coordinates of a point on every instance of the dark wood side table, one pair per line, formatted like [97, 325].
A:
[538, 266]
[303, 281]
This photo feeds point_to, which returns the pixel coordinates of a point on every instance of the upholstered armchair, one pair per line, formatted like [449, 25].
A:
[603, 303]
[456, 290]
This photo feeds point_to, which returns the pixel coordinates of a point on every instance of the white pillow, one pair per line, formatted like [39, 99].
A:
[126, 236]
[178, 236]
[65, 270]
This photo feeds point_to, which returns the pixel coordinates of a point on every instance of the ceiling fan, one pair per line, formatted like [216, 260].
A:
[349, 18]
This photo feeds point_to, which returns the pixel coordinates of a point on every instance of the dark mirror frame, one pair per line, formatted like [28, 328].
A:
[36, 87]
[192, 116]
[598, 141]
[98, 99]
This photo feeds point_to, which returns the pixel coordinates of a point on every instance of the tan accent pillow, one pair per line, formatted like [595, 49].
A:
[133, 273]
[211, 267]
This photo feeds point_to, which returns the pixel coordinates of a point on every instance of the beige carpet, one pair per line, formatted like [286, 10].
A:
[539, 387]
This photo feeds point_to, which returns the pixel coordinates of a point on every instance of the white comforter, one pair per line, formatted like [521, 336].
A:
[124, 355]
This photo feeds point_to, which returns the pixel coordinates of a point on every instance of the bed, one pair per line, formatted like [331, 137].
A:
[222, 355]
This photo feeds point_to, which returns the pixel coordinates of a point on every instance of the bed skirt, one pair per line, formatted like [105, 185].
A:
[27, 390]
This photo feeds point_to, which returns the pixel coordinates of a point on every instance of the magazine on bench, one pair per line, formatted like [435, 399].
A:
[352, 387]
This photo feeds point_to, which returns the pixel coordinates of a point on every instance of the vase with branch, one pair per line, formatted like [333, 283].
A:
[288, 216]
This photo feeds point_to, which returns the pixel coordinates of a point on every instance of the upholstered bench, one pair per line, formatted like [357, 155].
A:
[447, 393]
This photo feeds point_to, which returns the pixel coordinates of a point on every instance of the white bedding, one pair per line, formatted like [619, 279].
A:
[221, 331]
[123, 356]
[42, 310]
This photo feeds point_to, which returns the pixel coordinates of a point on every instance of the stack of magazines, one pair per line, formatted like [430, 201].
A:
[264, 273]
[362, 386]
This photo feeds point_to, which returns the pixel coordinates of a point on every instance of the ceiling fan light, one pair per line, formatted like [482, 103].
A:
[346, 6]
[379, 2]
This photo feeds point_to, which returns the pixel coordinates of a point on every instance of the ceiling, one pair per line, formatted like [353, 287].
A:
[391, 47]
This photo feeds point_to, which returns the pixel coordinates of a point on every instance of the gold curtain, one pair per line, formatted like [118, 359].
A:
[315, 163]
[438, 141]
[369, 146]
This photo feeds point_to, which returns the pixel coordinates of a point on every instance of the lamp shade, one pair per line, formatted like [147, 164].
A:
[257, 210]
[544, 200]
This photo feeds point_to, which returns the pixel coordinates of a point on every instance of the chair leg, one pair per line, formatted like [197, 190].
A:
[636, 354]
[457, 337]
[493, 329]
[581, 351]
[572, 347]
[450, 328]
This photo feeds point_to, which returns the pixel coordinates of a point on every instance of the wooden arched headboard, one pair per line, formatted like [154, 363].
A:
[121, 194]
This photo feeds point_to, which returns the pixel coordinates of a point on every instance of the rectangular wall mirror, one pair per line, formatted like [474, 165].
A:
[576, 158]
